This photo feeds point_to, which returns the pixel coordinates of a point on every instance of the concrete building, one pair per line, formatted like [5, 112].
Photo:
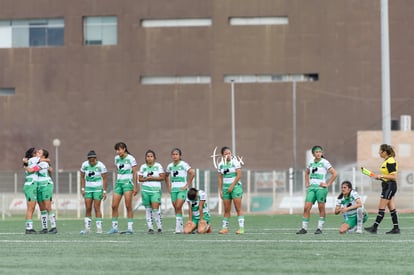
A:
[155, 74]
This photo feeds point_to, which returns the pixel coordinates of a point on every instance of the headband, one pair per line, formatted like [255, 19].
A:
[317, 148]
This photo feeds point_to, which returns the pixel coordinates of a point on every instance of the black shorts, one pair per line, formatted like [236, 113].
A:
[389, 188]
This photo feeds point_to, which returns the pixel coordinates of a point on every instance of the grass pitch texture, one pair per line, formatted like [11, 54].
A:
[269, 246]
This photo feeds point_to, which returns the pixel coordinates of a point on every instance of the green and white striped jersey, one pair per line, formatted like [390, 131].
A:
[178, 173]
[229, 170]
[93, 174]
[31, 177]
[155, 170]
[124, 166]
[195, 204]
[318, 171]
[346, 202]
[43, 177]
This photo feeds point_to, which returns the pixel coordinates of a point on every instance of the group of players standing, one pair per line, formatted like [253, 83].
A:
[178, 177]
[38, 189]
[349, 202]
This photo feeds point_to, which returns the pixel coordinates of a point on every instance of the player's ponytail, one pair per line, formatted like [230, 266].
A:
[387, 149]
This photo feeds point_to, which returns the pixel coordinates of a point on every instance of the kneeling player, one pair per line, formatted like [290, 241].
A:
[350, 205]
[199, 217]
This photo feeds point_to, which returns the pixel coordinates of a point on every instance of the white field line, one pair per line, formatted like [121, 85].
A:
[63, 241]
[301, 241]
[216, 241]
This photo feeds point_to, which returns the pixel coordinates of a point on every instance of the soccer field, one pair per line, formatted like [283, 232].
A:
[269, 246]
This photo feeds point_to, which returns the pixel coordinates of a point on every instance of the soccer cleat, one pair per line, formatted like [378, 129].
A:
[84, 232]
[393, 231]
[112, 231]
[358, 231]
[240, 231]
[318, 231]
[30, 231]
[371, 229]
[352, 230]
[150, 231]
[44, 231]
[128, 232]
[159, 231]
[179, 230]
[53, 230]
[209, 230]
[99, 230]
[302, 231]
[224, 231]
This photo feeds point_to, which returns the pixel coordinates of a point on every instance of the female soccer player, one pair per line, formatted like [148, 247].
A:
[317, 185]
[178, 177]
[126, 185]
[30, 188]
[198, 212]
[350, 205]
[388, 179]
[151, 175]
[38, 171]
[230, 189]
[93, 187]
[45, 193]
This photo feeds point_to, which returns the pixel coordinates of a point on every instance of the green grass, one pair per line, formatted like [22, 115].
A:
[269, 246]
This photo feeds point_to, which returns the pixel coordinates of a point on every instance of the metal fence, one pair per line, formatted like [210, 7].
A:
[278, 192]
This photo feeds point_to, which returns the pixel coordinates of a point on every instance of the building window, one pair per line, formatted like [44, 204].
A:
[252, 21]
[170, 23]
[264, 78]
[31, 33]
[169, 80]
[7, 91]
[100, 30]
